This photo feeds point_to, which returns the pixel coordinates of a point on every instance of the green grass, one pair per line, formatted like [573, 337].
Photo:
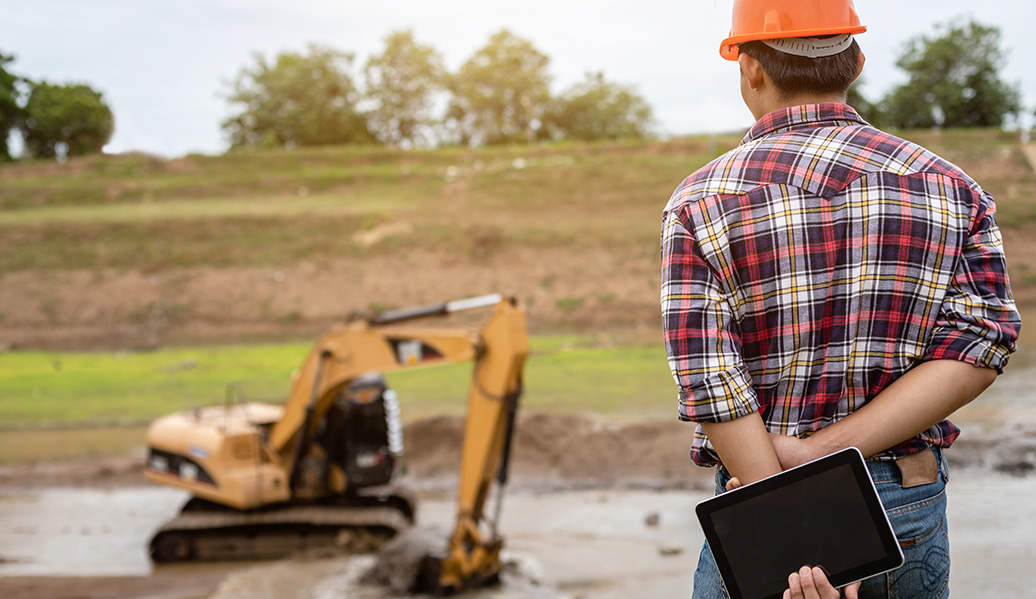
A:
[57, 389]
[564, 373]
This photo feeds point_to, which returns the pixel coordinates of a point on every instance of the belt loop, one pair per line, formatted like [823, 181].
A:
[944, 464]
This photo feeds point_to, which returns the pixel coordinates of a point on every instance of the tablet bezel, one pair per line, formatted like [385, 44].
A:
[878, 517]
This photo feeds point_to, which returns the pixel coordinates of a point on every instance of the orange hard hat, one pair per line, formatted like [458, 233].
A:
[774, 19]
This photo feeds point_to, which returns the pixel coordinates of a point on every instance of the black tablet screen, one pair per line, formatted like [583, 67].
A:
[821, 520]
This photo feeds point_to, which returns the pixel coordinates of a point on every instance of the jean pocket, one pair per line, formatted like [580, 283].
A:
[921, 530]
[915, 523]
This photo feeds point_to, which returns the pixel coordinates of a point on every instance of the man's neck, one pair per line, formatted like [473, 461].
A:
[801, 100]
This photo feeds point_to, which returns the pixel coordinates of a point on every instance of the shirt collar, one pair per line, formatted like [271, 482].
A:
[808, 116]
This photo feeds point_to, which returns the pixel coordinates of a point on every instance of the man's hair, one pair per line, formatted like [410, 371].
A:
[794, 75]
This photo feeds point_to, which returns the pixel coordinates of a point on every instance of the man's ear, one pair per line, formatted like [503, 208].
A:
[860, 61]
[751, 70]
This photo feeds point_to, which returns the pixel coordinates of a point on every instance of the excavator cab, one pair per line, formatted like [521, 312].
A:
[361, 433]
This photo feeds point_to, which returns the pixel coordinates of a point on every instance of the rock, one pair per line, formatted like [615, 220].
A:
[1019, 469]
[671, 548]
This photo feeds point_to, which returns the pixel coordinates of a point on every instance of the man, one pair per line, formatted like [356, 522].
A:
[827, 285]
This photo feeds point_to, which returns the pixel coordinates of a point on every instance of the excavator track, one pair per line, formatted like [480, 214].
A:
[208, 532]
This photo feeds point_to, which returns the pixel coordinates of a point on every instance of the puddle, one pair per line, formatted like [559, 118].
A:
[81, 532]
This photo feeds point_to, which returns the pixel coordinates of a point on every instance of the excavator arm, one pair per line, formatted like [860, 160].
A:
[381, 344]
[473, 554]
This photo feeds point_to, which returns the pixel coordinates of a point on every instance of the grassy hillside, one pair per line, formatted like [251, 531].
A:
[131, 251]
[281, 207]
[278, 207]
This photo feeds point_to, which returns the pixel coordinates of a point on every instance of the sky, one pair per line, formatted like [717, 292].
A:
[165, 67]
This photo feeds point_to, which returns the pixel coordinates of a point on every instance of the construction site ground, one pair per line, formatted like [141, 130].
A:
[577, 519]
[132, 253]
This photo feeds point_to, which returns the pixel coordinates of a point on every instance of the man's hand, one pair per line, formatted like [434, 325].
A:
[812, 583]
[792, 451]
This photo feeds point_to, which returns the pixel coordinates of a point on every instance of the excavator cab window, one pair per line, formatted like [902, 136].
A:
[355, 434]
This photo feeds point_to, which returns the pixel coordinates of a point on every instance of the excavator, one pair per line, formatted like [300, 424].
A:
[268, 479]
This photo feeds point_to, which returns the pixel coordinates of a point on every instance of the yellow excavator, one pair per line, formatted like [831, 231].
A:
[267, 480]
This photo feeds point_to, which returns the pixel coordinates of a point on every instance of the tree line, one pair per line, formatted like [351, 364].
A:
[405, 97]
[954, 81]
[501, 94]
[54, 120]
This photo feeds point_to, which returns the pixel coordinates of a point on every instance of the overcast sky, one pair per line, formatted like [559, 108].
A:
[163, 66]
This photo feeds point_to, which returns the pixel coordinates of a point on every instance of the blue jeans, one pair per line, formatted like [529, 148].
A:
[918, 517]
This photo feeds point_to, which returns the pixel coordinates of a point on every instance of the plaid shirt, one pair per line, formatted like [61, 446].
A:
[810, 267]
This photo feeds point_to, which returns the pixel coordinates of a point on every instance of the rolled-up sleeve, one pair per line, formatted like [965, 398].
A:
[978, 322]
[702, 338]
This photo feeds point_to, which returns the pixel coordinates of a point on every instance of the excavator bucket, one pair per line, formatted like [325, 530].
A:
[414, 561]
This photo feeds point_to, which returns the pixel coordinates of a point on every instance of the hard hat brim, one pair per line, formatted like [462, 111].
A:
[729, 50]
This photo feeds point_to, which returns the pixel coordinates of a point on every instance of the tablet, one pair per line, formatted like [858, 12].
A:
[824, 513]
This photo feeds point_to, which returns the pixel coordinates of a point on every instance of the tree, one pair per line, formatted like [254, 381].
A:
[954, 81]
[401, 83]
[597, 109]
[501, 93]
[65, 120]
[10, 112]
[297, 100]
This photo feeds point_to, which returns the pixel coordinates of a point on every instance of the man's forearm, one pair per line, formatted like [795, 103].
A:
[744, 447]
[918, 400]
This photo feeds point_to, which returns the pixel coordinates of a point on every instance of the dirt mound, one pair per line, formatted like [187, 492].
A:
[565, 450]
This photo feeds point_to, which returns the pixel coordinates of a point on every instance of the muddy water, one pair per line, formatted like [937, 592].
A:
[569, 544]
[70, 532]
[81, 532]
